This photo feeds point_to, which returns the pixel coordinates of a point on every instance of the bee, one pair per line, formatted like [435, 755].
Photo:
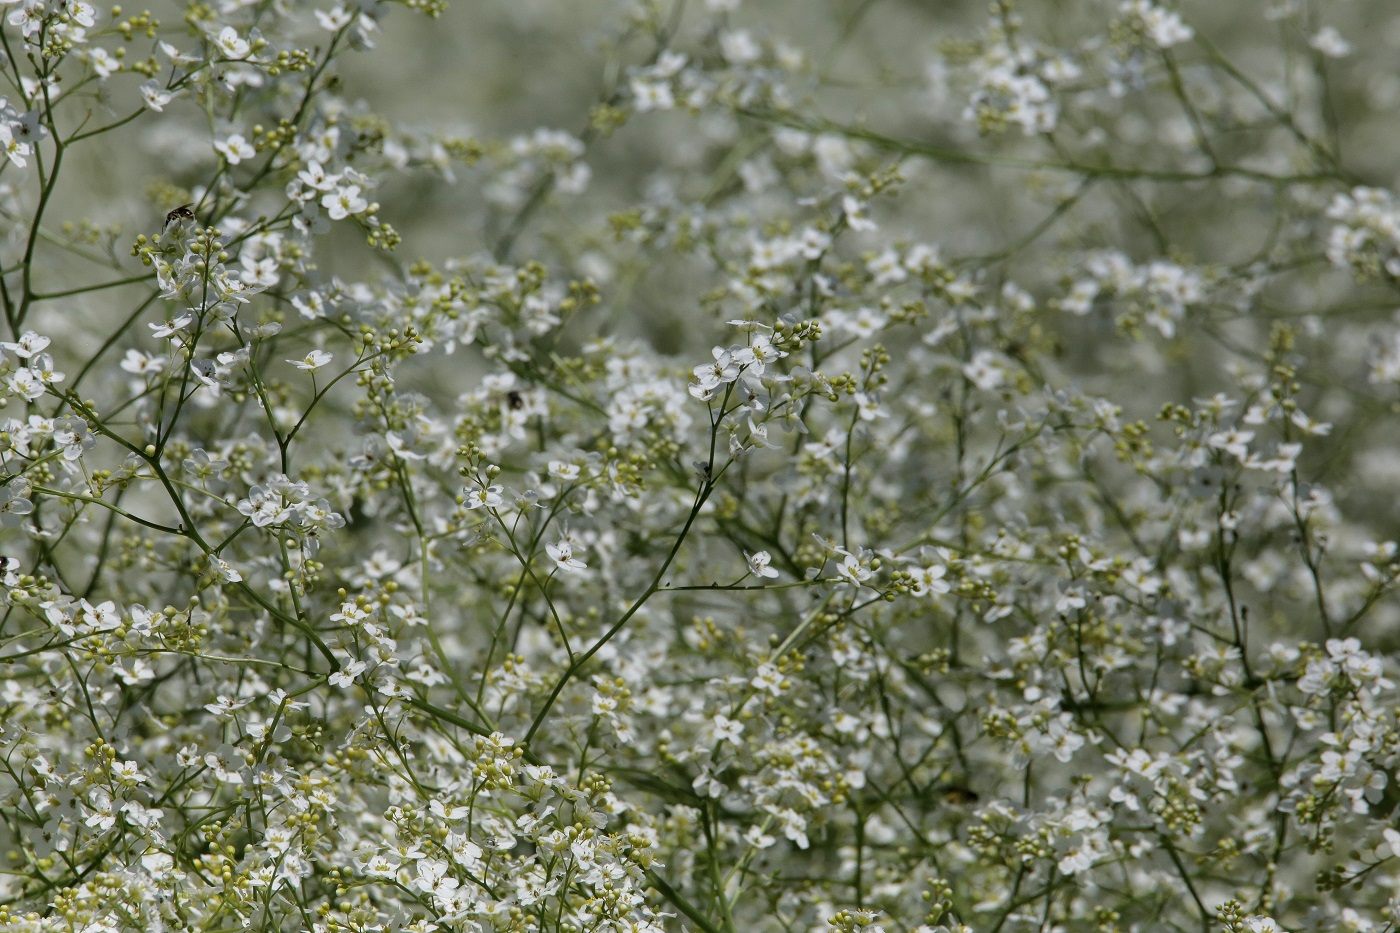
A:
[515, 400]
[182, 212]
[959, 796]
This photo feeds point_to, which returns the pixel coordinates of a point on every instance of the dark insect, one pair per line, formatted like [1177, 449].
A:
[8, 563]
[515, 400]
[182, 212]
[960, 796]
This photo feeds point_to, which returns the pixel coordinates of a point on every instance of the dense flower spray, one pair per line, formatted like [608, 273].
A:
[864, 468]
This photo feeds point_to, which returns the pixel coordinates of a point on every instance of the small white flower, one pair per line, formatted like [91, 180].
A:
[231, 44]
[651, 95]
[13, 149]
[768, 678]
[856, 217]
[1234, 441]
[562, 554]
[344, 201]
[487, 496]
[103, 63]
[172, 327]
[312, 361]
[155, 96]
[28, 345]
[335, 19]
[224, 572]
[757, 838]
[347, 674]
[176, 56]
[81, 13]
[314, 176]
[235, 149]
[710, 376]
[1163, 27]
[1330, 43]
[929, 581]
[852, 570]
[759, 565]
[868, 407]
[726, 729]
[739, 48]
[564, 472]
[984, 370]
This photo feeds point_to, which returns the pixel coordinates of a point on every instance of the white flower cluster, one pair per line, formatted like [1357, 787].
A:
[1366, 237]
[683, 480]
[1158, 293]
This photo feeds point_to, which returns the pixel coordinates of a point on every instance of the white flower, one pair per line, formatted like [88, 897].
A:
[759, 565]
[231, 44]
[710, 376]
[224, 572]
[1262, 925]
[754, 358]
[29, 17]
[80, 12]
[103, 63]
[155, 96]
[13, 503]
[1330, 43]
[28, 345]
[314, 176]
[173, 326]
[401, 443]
[929, 581]
[1309, 426]
[562, 553]
[1164, 28]
[768, 678]
[985, 370]
[176, 56]
[15, 150]
[856, 217]
[347, 674]
[25, 384]
[886, 268]
[334, 19]
[853, 570]
[235, 149]
[487, 496]
[1234, 442]
[563, 471]
[739, 48]
[726, 729]
[756, 837]
[344, 201]
[651, 95]
[868, 407]
[813, 243]
[312, 361]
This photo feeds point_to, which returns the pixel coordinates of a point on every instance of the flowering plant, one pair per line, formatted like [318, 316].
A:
[849, 477]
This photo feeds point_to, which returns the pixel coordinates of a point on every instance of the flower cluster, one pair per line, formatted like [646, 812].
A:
[736, 471]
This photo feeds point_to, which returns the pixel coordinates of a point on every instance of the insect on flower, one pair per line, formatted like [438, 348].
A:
[180, 213]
